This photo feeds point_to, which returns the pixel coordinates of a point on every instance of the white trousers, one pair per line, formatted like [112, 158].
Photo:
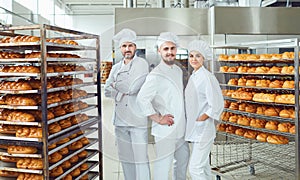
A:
[133, 152]
[199, 167]
[168, 151]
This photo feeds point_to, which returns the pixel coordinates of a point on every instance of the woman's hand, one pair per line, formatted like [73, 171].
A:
[166, 120]
[203, 117]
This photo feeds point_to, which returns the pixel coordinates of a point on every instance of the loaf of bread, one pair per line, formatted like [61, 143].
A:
[19, 116]
[240, 131]
[285, 99]
[30, 163]
[29, 132]
[9, 174]
[277, 139]
[284, 127]
[9, 129]
[9, 159]
[27, 176]
[272, 125]
[57, 171]
[262, 137]
[250, 134]
[21, 150]
[258, 123]
[55, 157]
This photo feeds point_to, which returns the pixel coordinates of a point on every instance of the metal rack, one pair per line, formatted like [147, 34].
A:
[92, 124]
[236, 157]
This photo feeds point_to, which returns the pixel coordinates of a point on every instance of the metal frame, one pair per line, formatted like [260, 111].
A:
[44, 47]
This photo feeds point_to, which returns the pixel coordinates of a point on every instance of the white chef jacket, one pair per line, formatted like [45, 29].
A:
[162, 93]
[202, 95]
[122, 85]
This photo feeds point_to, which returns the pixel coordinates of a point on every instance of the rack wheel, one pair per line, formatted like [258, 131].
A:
[251, 169]
[218, 177]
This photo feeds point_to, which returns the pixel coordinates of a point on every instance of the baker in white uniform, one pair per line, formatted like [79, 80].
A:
[123, 84]
[161, 99]
[204, 104]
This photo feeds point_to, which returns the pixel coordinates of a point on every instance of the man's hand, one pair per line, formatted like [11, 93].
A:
[166, 120]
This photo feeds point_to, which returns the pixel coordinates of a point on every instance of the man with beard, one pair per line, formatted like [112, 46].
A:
[161, 99]
[123, 84]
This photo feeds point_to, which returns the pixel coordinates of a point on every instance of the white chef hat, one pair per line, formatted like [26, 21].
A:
[167, 37]
[125, 35]
[202, 47]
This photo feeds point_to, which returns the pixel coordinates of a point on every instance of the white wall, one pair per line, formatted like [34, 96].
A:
[102, 25]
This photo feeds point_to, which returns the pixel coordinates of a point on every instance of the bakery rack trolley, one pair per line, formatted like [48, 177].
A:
[67, 68]
[237, 157]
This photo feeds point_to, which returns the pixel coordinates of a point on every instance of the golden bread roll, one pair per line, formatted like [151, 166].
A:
[224, 68]
[284, 127]
[29, 132]
[82, 154]
[233, 118]
[226, 104]
[240, 131]
[272, 125]
[263, 83]
[84, 167]
[234, 106]
[276, 56]
[287, 70]
[285, 99]
[222, 127]
[262, 137]
[243, 120]
[288, 84]
[242, 69]
[75, 172]
[263, 97]
[52, 146]
[233, 81]
[242, 82]
[275, 70]
[251, 82]
[292, 130]
[18, 116]
[288, 55]
[74, 159]
[265, 56]
[258, 123]
[271, 112]
[231, 129]
[57, 171]
[232, 69]
[84, 141]
[253, 57]
[262, 70]
[242, 106]
[223, 57]
[75, 145]
[64, 140]
[21, 150]
[251, 108]
[261, 110]
[251, 70]
[276, 84]
[55, 157]
[250, 134]
[66, 165]
[9, 129]
[67, 177]
[277, 139]
[240, 57]
[64, 151]
[54, 128]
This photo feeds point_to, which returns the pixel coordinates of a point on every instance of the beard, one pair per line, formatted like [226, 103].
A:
[169, 59]
[169, 62]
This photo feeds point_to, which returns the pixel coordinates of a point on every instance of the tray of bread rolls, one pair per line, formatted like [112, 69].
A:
[70, 138]
[256, 102]
[252, 135]
[64, 126]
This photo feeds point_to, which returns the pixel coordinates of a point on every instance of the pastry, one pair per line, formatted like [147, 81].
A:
[277, 139]
[234, 106]
[292, 130]
[233, 81]
[232, 69]
[84, 141]
[64, 151]
[243, 120]
[261, 110]
[262, 69]
[9, 159]
[82, 154]
[288, 55]
[275, 70]
[276, 84]
[222, 127]
[66, 165]
[251, 82]
[251, 70]
[66, 123]
[276, 56]
[287, 70]
[75, 172]
[85, 177]
[54, 128]
[285, 99]
[84, 167]
[288, 84]
[18, 116]
[265, 56]
[233, 118]
[263, 83]
[64, 140]
[231, 129]
[253, 57]
[52, 146]
[67, 177]
[223, 57]
[29, 132]
[226, 104]
[28, 176]
[9, 129]
[242, 82]
[251, 108]
[74, 159]
[224, 68]
[30, 163]
[242, 69]
[75, 145]
[242, 106]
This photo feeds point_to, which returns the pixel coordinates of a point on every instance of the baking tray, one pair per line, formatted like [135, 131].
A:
[48, 90]
[259, 116]
[289, 135]
[260, 88]
[55, 74]
[258, 61]
[91, 153]
[71, 60]
[90, 95]
[87, 132]
[3, 152]
[21, 123]
[90, 122]
[255, 102]
[20, 107]
[254, 74]
[12, 167]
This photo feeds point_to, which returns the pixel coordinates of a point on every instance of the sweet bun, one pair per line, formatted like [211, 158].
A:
[251, 108]
[234, 106]
[276, 84]
[276, 56]
[242, 82]
[67, 177]
[54, 128]
[52, 146]
[30, 163]
[251, 70]
[292, 130]
[223, 57]
[233, 81]
[226, 104]
[288, 55]
[258, 123]
[261, 110]
[243, 120]
[82, 154]
[231, 129]
[64, 140]
[287, 70]
[29, 176]
[253, 57]
[84, 167]
[75, 145]
[66, 165]
[74, 159]
[242, 106]
[275, 70]
[277, 139]
[263, 83]
[233, 118]
[75, 172]
[224, 68]
[55, 157]
[288, 84]
[251, 82]
[242, 69]
[232, 69]
[64, 151]
[222, 127]
[85, 177]
[265, 56]
[84, 141]
[285, 99]
[262, 69]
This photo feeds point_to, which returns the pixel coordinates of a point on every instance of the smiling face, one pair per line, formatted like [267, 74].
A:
[168, 52]
[128, 50]
[196, 60]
